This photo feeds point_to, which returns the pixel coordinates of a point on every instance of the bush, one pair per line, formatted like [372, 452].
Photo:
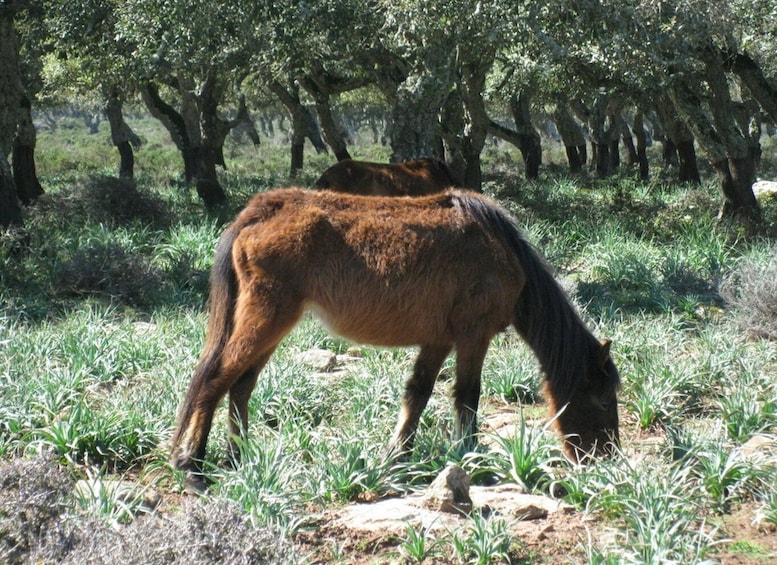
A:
[104, 200]
[751, 293]
[108, 270]
[39, 524]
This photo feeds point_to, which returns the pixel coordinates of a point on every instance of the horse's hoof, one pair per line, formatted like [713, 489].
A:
[195, 483]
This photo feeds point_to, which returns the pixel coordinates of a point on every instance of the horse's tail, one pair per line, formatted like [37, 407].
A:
[221, 306]
[221, 300]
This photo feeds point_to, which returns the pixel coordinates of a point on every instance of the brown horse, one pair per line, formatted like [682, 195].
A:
[444, 271]
[418, 177]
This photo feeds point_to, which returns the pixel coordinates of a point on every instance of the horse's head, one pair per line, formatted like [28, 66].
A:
[589, 420]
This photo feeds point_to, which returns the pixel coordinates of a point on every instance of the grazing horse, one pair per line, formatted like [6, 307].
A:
[444, 271]
[418, 177]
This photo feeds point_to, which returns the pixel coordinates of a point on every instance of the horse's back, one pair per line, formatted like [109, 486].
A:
[383, 270]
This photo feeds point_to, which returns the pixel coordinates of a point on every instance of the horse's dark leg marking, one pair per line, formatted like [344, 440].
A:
[466, 390]
[417, 392]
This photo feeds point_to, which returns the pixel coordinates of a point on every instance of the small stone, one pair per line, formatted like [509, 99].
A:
[321, 360]
[757, 444]
[449, 492]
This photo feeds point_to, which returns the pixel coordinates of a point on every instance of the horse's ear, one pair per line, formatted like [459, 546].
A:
[604, 352]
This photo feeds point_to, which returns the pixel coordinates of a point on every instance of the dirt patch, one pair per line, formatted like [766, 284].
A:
[751, 543]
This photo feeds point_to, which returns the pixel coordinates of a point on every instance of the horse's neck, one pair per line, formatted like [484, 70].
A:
[559, 340]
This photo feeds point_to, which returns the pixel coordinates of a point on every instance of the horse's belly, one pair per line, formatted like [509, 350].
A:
[423, 316]
[388, 327]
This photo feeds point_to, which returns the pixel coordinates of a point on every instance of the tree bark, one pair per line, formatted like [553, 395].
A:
[10, 95]
[452, 133]
[418, 101]
[321, 85]
[10, 211]
[723, 143]
[641, 148]
[302, 124]
[679, 147]
[601, 129]
[175, 125]
[28, 187]
[122, 136]
[472, 81]
[752, 76]
[531, 147]
[572, 137]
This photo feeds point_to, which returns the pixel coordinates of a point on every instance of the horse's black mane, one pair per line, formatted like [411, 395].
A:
[544, 316]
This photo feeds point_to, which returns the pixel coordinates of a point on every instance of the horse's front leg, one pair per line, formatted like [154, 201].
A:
[466, 390]
[418, 389]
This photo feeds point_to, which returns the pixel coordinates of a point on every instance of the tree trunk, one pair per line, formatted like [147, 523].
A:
[472, 81]
[723, 143]
[332, 132]
[452, 133]
[10, 95]
[10, 211]
[572, 137]
[122, 136]
[601, 129]
[25, 176]
[213, 131]
[175, 125]
[290, 99]
[641, 148]
[303, 124]
[531, 147]
[418, 101]
[688, 164]
[679, 141]
[321, 85]
[752, 76]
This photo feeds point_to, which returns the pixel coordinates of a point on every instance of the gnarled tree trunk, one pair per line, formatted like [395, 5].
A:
[530, 143]
[417, 104]
[472, 81]
[303, 124]
[321, 85]
[452, 133]
[572, 137]
[25, 176]
[122, 136]
[724, 144]
[679, 139]
[175, 125]
[638, 126]
[10, 95]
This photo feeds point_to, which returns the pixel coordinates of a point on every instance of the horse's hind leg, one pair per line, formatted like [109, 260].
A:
[417, 392]
[466, 390]
[239, 394]
[259, 324]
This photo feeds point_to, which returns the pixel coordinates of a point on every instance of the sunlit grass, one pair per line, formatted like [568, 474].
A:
[103, 320]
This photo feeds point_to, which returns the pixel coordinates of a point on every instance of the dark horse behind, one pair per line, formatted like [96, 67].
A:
[442, 272]
[418, 177]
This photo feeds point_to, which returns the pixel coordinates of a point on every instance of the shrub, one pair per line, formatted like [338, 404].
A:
[751, 293]
[104, 200]
[108, 270]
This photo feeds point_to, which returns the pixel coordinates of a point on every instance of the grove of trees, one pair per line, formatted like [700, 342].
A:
[698, 71]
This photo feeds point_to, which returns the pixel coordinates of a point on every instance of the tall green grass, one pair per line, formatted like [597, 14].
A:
[103, 318]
